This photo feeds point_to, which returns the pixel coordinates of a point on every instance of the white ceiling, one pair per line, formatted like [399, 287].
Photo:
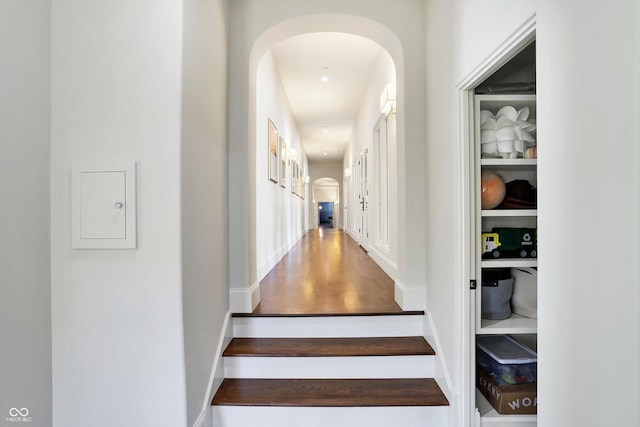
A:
[349, 62]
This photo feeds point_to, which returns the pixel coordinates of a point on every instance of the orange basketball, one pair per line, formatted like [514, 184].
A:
[493, 189]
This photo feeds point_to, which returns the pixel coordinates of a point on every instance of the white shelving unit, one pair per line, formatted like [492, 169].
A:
[509, 212]
[508, 263]
[485, 220]
[518, 163]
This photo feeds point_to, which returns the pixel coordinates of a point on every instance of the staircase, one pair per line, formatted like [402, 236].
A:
[329, 371]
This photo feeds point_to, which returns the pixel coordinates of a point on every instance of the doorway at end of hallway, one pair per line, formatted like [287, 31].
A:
[325, 214]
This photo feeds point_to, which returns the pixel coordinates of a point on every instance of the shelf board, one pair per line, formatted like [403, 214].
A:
[509, 262]
[491, 417]
[509, 212]
[513, 325]
[508, 162]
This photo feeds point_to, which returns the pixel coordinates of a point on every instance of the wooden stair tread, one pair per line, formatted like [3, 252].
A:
[330, 392]
[329, 347]
[294, 313]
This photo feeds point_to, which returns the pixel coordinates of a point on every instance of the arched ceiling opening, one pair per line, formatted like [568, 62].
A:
[326, 190]
[325, 182]
[325, 76]
[349, 46]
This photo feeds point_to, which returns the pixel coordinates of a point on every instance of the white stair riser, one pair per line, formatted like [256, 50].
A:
[328, 327]
[405, 416]
[330, 367]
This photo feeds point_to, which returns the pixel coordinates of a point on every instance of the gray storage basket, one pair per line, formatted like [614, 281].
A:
[497, 288]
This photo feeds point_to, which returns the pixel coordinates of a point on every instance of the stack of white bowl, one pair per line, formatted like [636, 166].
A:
[507, 134]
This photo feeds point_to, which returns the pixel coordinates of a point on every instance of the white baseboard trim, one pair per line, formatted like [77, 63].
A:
[200, 422]
[217, 372]
[352, 234]
[384, 262]
[442, 371]
[410, 298]
[244, 300]
[272, 260]
[276, 257]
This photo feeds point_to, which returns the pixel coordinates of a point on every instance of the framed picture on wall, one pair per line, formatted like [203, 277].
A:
[283, 163]
[273, 152]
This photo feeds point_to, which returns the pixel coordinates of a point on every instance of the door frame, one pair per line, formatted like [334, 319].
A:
[334, 187]
[467, 412]
[333, 208]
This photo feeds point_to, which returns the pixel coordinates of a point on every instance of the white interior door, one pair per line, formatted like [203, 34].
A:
[363, 197]
[346, 203]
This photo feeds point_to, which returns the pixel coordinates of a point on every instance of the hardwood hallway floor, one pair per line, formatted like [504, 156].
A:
[326, 272]
[328, 346]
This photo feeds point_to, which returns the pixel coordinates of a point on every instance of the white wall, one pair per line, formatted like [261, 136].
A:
[117, 321]
[279, 212]
[25, 282]
[205, 261]
[383, 73]
[459, 37]
[589, 213]
[326, 192]
[443, 260]
[588, 302]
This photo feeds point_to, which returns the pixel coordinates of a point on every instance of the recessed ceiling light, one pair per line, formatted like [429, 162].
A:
[325, 153]
[325, 75]
[325, 129]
